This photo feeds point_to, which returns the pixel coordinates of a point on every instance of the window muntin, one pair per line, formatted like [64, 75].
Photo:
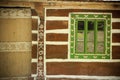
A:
[90, 36]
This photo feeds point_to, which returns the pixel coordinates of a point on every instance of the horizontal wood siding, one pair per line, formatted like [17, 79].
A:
[34, 68]
[56, 51]
[56, 37]
[65, 12]
[88, 68]
[116, 25]
[34, 24]
[34, 51]
[116, 52]
[56, 25]
[61, 51]
[66, 79]
[34, 37]
[116, 37]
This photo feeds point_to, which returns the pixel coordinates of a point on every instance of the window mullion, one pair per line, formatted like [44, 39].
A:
[95, 38]
[85, 36]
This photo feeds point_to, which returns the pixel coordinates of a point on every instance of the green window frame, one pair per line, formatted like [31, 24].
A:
[90, 35]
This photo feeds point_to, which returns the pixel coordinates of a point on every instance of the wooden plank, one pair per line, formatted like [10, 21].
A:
[83, 68]
[34, 24]
[66, 79]
[34, 37]
[34, 13]
[34, 51]
[116, 52]
[56, 37]
[116, 25]
[116, 37]
[65, 12]
[56, 51]
[56, 25]
[34, 68]
[81, 77]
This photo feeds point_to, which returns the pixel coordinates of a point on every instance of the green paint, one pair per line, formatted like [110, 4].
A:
[95, 37]
[75, 34]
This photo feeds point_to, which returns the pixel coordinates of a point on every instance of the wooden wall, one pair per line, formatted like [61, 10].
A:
[57, 44]
[54, 17]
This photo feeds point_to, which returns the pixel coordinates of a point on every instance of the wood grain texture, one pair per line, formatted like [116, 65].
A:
[56, 37]
[56, 25]
[56, 51]
[67, 79]
[116, 52]
[34, 24]
[65, 12]
[34, 68]
[116, 37]
[116, 25]
[34, 51]
[15, 64]
[34, 37]
[33, 12]
[84, 68]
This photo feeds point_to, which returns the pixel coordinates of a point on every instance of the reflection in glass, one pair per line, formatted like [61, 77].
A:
[80, 46]
[90, 25]
[100, 47]
[90, 36]
[80, 36]
[101, 25]
[80, 25]
[90, 46]
[100, 36]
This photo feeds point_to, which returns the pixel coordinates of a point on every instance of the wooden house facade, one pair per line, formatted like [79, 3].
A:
[70, 40]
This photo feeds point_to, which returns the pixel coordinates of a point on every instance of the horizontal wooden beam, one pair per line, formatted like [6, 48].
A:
[62, 4]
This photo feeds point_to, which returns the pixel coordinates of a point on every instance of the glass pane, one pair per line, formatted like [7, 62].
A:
[80, 36]
[100, 36]
[80, 25]
[90, 36]
[101, 25]
[80, 46]
[100, 47]
[90, 25]
[90, 46]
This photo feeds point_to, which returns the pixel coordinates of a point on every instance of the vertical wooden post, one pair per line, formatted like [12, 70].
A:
[15, 42]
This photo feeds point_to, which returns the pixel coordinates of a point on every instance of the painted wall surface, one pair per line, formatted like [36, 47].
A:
[51, 47]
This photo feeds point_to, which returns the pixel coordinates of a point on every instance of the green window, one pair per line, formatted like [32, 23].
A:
[90, 36]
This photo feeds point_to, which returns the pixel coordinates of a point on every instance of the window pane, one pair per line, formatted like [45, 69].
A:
[80, 36]
[101, 25]
[80, 46]
[100, 47]
[90, 36]
[80, 25]
[90, 46]
[100, 36]
[90, 25]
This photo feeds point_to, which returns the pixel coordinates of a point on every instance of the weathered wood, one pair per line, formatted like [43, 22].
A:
[34, 24]
[56, 51]
[88, 68]
[56, 25]
[67, 79]
[33, 12]
[34, 37]
[65, 12]
[56, 37]
[116, 37]
[116, 25]
[116, 52]
[7, 3]
[34, 51]
[34, 68]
